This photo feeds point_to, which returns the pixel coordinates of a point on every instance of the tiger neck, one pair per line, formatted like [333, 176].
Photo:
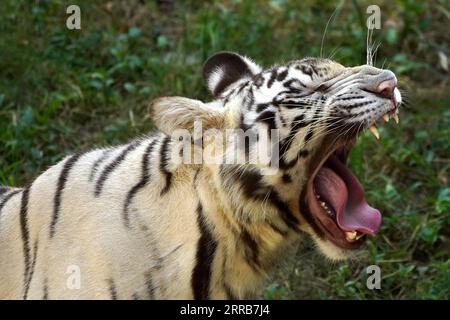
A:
[255, 224]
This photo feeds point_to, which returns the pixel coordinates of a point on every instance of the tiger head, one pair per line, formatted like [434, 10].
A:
[318, 107]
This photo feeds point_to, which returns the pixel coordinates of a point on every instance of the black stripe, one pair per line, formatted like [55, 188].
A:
[246, 136]
[286, 178]
[251, 249]
[285, 165]
[289, 84]
[283, 210]
[307, 70]
[145, 178]
[282, 75]
[206, 248]
[242, 87]
[229, 292]
[303, 153]
[288, 165]
[283, 120]
[97, 164]
[310, 132]
[258, 80]
[322, 88]
[242, 124]
[277, 230]
[349, 98]
[45, 290]
[197, 172]
[163, 164]
[59, 190]
[309, 135]
[150, 286]
[273, 76]
[251, 181]
[267, 117]
[357, 105]
[30, 276]
[261, 107]
[254, 187]
[25, 233]
[113, 165]
[4, 189]
[229, 95]
[249, 98]
[7, 197]
[292, 104]
[298, 123]
[135, 296]
[112, 289]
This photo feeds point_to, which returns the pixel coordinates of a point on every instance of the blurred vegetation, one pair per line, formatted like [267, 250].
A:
[64, 90]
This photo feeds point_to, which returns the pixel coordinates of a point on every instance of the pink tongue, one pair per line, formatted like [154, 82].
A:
[342, 191]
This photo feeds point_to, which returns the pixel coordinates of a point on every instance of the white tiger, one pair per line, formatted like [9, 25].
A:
[130, 222]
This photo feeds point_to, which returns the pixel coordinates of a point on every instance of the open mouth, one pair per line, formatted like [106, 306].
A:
[336, 199]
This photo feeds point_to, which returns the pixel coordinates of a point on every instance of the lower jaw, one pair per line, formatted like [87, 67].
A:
[321, 220]
[327, 225]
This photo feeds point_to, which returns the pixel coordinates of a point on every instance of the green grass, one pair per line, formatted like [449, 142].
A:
[63, 90]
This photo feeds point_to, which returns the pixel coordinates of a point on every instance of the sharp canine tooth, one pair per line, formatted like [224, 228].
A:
[386, 118]
[373, 130]
[395, 116]
[350, 235]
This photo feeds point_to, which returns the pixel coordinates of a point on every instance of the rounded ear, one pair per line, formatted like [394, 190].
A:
[172, 113]
[224, 68]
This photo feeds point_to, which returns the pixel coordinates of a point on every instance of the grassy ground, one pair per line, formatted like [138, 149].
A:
[63, 90]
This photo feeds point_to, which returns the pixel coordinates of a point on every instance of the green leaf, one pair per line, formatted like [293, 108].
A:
[443, 201]
[129, 87]
[429, 235]
[162, 42]
[134, 32]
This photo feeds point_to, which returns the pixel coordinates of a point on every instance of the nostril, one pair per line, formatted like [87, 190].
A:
[386, 93]
[386, 88]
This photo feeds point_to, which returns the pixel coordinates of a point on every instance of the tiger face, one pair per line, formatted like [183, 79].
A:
[318, 108]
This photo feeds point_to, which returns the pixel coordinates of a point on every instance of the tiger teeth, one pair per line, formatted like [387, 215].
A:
[373, 130]
[351, 235]
[386, 118]
[396, 118]
[359, 236]
[327, 209]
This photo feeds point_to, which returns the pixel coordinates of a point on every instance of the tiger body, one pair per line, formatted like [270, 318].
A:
[119, 259]
[130, 222]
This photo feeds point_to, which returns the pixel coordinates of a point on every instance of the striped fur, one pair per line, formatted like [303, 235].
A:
[131, 222]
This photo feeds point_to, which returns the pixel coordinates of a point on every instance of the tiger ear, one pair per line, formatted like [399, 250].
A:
[172, 113]
[224, 68]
